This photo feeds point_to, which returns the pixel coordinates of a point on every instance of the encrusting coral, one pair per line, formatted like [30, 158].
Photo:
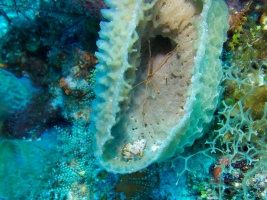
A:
[15, 93]
[159, 102]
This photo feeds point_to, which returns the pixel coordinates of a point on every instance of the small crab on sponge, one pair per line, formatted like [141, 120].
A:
[134, 150]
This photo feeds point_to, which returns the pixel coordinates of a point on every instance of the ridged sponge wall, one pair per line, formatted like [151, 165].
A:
[154, 99]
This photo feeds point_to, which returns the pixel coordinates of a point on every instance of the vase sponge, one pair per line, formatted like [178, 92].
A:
[158, 77]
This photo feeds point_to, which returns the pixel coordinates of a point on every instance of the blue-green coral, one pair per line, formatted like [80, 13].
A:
[126, 139]
[15, 93]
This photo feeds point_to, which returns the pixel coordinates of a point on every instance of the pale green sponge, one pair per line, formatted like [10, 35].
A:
[158, 79]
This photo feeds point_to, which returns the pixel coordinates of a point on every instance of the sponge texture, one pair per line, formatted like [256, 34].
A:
[150, 105]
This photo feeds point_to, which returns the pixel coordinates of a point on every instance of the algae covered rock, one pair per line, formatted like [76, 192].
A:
[23, 165]
[158, 77]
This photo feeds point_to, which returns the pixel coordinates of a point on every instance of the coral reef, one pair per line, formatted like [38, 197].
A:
[76, 175]
[47, 69]
[77, 84]
[45, 48]
[239, 136]
[46, 44]
[161, 96]
[24, 168]
[138, 185]
[15, 94]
